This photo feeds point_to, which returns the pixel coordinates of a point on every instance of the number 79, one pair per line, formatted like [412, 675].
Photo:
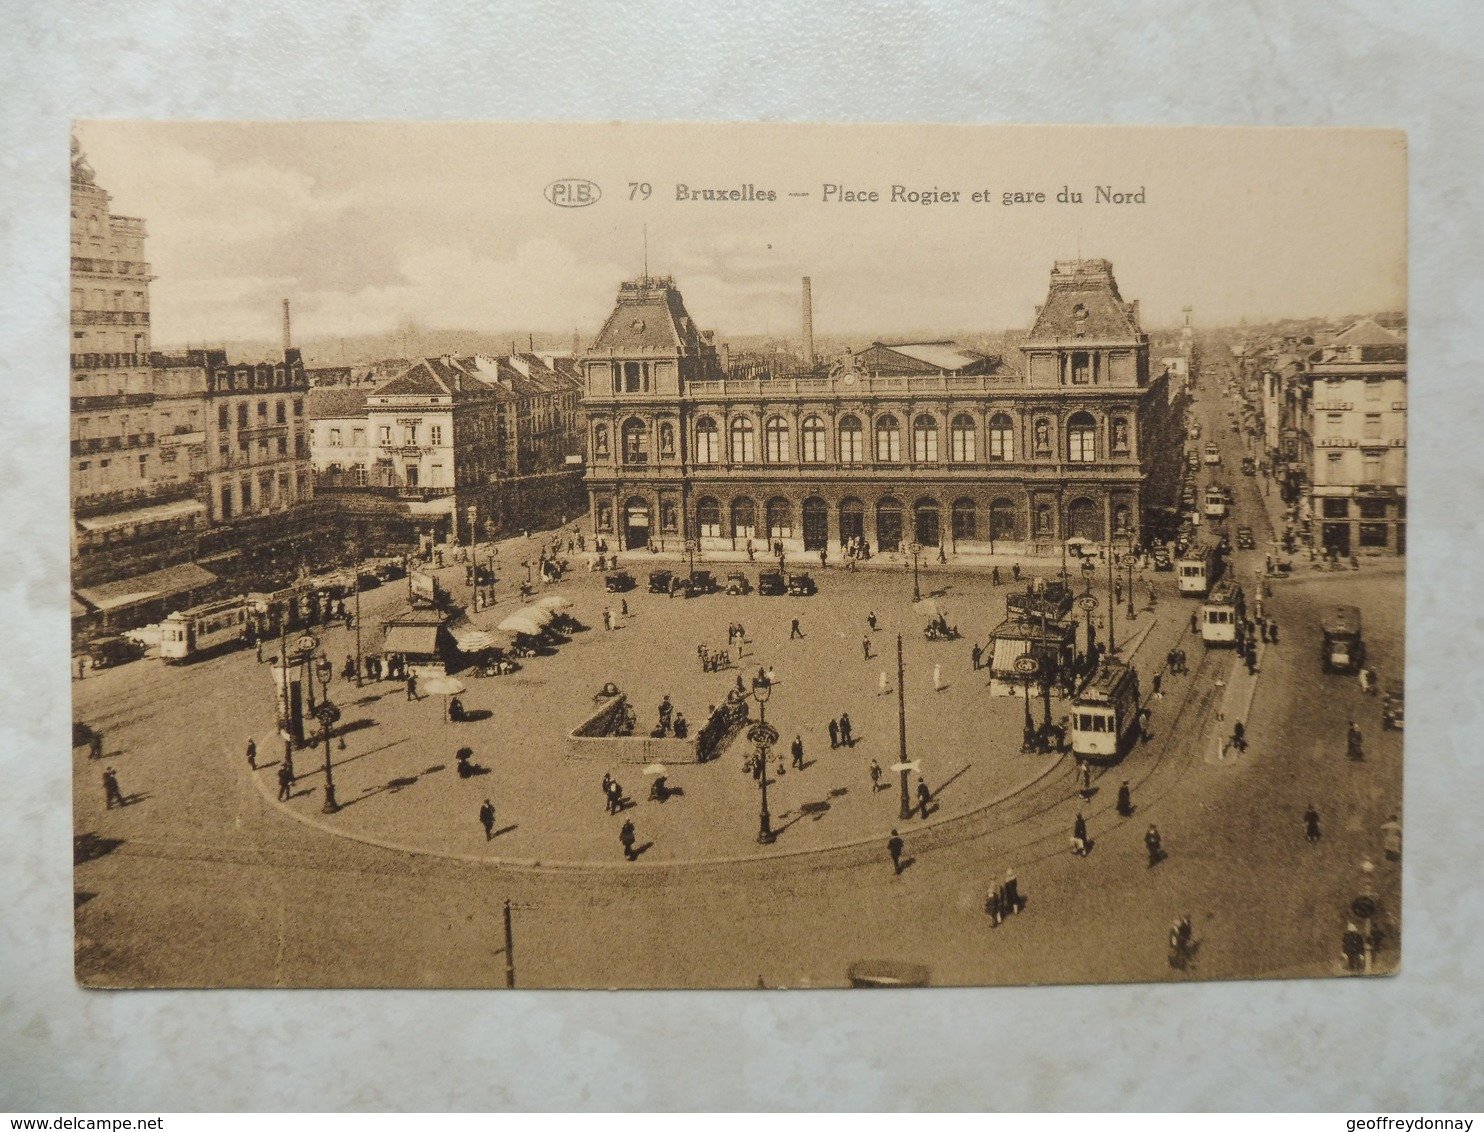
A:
[638, 190]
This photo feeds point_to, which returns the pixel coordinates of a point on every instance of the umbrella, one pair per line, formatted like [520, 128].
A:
[933, 609]
[655, 768]
[1078, 540]
[442, 686]
[522, 621]
[555, 601]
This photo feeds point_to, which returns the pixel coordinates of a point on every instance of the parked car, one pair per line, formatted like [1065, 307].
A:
[1249, 466]
[801, 585]
[737, 583]
[105, 652]
[1162, 559]
[1393, 706]
[619, 581]
[659, 581]
[1244, 538]
[770, 583]
[700, 582]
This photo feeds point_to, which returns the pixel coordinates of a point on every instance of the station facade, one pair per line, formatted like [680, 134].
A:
[919, 442]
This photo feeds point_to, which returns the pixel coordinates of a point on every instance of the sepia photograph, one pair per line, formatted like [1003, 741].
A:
[729, 555]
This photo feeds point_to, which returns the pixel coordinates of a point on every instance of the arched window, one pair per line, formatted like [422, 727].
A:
[708, 517]
[925, 439]
[963, 439]
[1085, 519]
[600, 440]
[667, 439]
[1120, 444]
[852, 520]
[965, 519]
[744, 518]
[850, 440]
[888, 440]
[635, 442]
[888, 524]
[1002, 521]
[1082, 439]
[775, 440]
[925, 525]
[1002, 437]
[812, 440]
[742, 446]
[780, 518]
[707, 446]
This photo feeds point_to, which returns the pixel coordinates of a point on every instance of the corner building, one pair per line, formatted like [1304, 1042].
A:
[919, 441]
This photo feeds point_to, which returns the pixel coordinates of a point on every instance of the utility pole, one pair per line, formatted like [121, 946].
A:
[906, 809]
[509, 949]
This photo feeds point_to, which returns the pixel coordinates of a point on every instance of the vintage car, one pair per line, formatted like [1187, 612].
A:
[1162, 559]
[659, 581]
[770, 583]
[1244, 538]
[801, 585]
[737, 583]
[619, 581]
[1393, 706]
[105, 652]
[700, 582]
[1249, 466]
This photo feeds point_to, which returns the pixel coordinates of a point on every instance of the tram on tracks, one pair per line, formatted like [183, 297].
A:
[1197, 569]
[1214, 504]
[1222, 614]
[191, 633]
[1105, 714]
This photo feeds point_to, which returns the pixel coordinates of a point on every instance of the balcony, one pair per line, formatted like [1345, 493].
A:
[97, 444]
[109, 361]
[110, 266]
[110, 318]
[111, 401]
[186, 437]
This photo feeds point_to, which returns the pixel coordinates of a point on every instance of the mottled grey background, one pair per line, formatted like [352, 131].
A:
[1408, 1042]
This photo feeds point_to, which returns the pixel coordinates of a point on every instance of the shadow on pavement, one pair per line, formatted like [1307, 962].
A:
[89, 847]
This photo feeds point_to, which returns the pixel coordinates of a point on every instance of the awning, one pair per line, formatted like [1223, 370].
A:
[1006, 651]
[146, 587]
[78, 609]
[160, 513]
[411, 640]
[471, 639]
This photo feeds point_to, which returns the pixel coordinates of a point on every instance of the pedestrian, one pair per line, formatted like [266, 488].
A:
[1239, 736]
[82, 666]
[1152, 843]
[924, 798]
[1352, 943]
[994, 576]
[1079, 836]
[111, 791]
[348, 669]
[1117, 593]
[1311, 824]
[834, 735]
[1155, 684]
[285, 782]
[937, 677]
[824, 558]
[866, 647]
[1272, 631]
[875, 776]
[607, 797]
[894, 846]
[607, 619]
[1125, 805]
[976, 654]
[796, 749]
[992, 906]
[794, 630]
[252, 754]
[942, 558]
[623, 607]
[1195, 622]
[412, 686]
[881, 685]
[1084, 779]
[667, 714]
[487, 819]
[626, 839]
[1011, 901]
[846, 738]
[871, 620]
[1015, 571]
[1354, 745]
[1184, 668]
[260, 651]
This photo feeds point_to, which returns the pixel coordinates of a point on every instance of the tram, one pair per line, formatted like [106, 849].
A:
[1105, 714]
[1214, 504]
[1222, 614]
[190, 633]
[1197, 568]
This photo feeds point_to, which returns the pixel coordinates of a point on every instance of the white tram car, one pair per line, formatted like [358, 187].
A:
[1222, 614]
[1196, 569]
[1214, 504]
[1105, 714]
[188, 633]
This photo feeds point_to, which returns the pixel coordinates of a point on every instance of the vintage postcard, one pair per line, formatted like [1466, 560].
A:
[643, 555]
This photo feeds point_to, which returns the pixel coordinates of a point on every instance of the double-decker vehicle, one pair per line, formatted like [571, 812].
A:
[1214, 504]
[191, 633]
[1105, 714]
[1222, 614]
[1197, 568]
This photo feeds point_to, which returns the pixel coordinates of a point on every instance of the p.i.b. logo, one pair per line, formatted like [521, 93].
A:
[573, 192]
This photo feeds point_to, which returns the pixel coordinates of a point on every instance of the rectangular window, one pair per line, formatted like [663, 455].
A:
[1373, 390]
[435, 433]
[226, 501]
[1373, 426]
[409, 434]
[223, 418]
[334, 438]
[386, 434]
[358, 437]
[247, 495]
[282, 414]
[298, 407]
[262, 410]
[1337, 508]
[1373, 467]
[242, 414]
[283, 446]
[1373, 535]
[143, 466]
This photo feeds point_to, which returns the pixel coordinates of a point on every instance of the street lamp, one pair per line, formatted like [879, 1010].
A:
[356, 573]
[1088, 569]
[1112, 604]
[915, 550]
[763, 735]
[1130, 560]
[1026, 667]
[327, 714]
[1087, 603]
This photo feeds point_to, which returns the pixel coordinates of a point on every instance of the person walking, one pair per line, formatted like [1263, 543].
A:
[871, 620]
[487, 819]
[607, 797]
[866, 647]
[1195, 622]
[111, 791]
[994, 576]
[924, 798]
[976, 654]
[834, 735]
[285, 782]
[1084, 779]
[1152, 843]
[875, 776]
[1079, 836]
[95, 744]
[1015, 571]
[794, 630]
[1311, 824]
[846, 738]
[1272, 631]
[796, 749]
[412, 686]
[252, 754]
[626, 839]
[1354, 744]
[1125, 804]
[937, 677]
[1011, 901]
[894, 846]
[992, 906]
[1239, 736]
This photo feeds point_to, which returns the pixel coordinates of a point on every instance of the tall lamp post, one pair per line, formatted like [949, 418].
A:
[906, 808]
[1130, 560]
[356, 556]
[327, 714]
[1026, 667]
[1112, 606]
[915, 550]
[763, 735]
[1087, 603]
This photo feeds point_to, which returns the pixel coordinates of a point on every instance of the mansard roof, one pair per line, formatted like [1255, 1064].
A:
[1084, 302]
[649, 315]
[432, 377]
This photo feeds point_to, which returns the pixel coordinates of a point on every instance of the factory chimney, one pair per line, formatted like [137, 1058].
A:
[287, 338]
[808, 325]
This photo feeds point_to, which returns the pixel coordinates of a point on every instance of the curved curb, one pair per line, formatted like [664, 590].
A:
[535, 864]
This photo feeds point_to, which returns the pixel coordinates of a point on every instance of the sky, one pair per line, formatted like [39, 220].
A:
[369, 227]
